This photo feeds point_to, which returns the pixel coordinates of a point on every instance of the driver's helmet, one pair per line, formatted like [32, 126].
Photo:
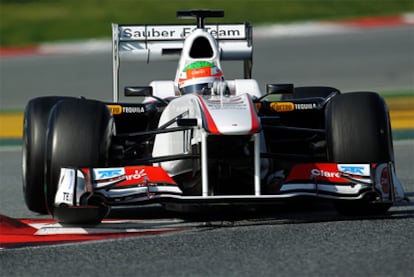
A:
[197, 76]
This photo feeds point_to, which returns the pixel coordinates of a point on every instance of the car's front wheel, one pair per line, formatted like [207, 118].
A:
[36, 117]
[358, 131]
[79, 135]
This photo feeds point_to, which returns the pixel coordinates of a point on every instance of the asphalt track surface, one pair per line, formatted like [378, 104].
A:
[309, 240]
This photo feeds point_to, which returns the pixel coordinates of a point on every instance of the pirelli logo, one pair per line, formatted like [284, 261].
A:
[115, 109]
[118, 109]
[281, 107]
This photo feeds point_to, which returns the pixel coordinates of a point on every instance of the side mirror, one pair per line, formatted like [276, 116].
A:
[272, 89]
[280, 88]
[138, 91]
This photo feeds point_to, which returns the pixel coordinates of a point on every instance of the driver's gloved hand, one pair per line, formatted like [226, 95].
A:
[220, 88]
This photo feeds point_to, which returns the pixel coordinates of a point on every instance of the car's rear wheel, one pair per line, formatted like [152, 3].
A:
[36, 116]
[358, 131]
[79, 135]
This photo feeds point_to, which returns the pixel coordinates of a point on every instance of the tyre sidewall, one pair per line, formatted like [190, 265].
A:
[35, 122]
[79, 135]
[358, 129]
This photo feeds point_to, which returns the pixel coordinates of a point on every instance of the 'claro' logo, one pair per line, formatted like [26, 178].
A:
[322, 173]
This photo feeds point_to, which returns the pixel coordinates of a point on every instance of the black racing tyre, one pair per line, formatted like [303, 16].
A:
[36, 116]
[79, 135]
[306, 92]
[359, 131]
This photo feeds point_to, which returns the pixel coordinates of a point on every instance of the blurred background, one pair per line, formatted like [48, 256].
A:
[27, 22]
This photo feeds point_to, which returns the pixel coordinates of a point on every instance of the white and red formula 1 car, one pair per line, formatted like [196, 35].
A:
[202, 139]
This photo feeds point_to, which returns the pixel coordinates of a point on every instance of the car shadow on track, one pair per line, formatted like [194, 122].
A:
[294, 213]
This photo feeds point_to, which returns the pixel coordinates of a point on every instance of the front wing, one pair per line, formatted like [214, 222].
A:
[138, 185]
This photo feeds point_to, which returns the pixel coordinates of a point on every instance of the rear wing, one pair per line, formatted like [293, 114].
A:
[148, 43]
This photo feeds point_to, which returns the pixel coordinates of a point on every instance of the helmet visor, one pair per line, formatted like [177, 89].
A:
[196, 88]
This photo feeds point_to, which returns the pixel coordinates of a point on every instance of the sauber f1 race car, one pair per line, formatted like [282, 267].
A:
[201, 139]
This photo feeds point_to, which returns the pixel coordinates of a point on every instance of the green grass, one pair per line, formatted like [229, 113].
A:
[25, 22]
[397, 94]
